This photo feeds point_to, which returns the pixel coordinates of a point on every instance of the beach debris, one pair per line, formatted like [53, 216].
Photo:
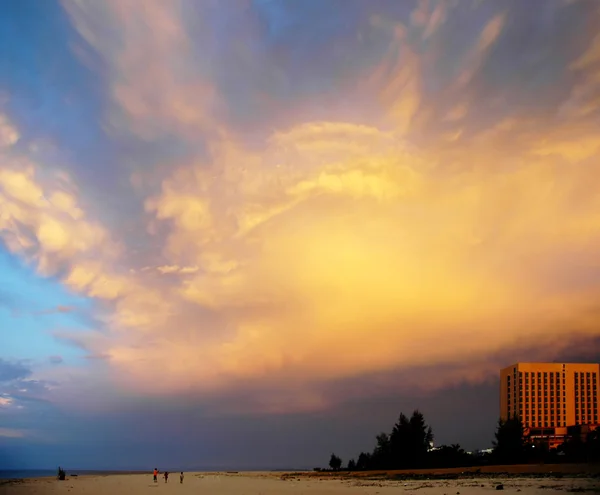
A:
[500, 487]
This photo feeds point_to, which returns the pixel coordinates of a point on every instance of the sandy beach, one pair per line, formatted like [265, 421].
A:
[302, 483]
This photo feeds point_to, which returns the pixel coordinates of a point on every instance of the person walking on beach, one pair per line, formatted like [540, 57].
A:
[166, 476]
[181, 477]
[155, 475]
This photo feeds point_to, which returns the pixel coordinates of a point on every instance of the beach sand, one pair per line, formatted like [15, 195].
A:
[299, 483]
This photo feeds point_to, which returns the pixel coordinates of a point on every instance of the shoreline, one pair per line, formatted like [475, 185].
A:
[533, 471]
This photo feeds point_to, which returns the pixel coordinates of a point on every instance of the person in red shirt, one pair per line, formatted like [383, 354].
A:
[155, 475]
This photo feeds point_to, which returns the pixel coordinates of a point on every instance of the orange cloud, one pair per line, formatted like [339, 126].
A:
[359, 258]
[475, 58]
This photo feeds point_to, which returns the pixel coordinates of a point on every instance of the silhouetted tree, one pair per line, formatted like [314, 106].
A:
[410, 441]
[335, 462]
[422, 437]
[509, 446]
[381, 457]
[400, 442]
[409, 446]
[364, 461]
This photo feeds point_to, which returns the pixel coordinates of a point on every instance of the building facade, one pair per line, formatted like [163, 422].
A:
[550, 397]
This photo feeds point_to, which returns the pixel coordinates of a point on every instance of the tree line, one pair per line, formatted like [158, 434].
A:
[409, 445]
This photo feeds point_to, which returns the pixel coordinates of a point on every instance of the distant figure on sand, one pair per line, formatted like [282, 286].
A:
[181, 477]
[166, 476]
[155, 475]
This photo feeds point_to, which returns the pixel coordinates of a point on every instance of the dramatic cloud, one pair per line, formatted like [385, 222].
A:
[301, 211]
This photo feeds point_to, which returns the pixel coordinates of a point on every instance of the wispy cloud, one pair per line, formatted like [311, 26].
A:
[57, 309]
[12, 433]
[149, 93]
[166, 269]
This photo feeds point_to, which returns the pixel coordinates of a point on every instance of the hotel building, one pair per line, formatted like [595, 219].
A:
[550, 397]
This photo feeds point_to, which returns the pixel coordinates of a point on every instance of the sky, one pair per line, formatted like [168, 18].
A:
[250, 233]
